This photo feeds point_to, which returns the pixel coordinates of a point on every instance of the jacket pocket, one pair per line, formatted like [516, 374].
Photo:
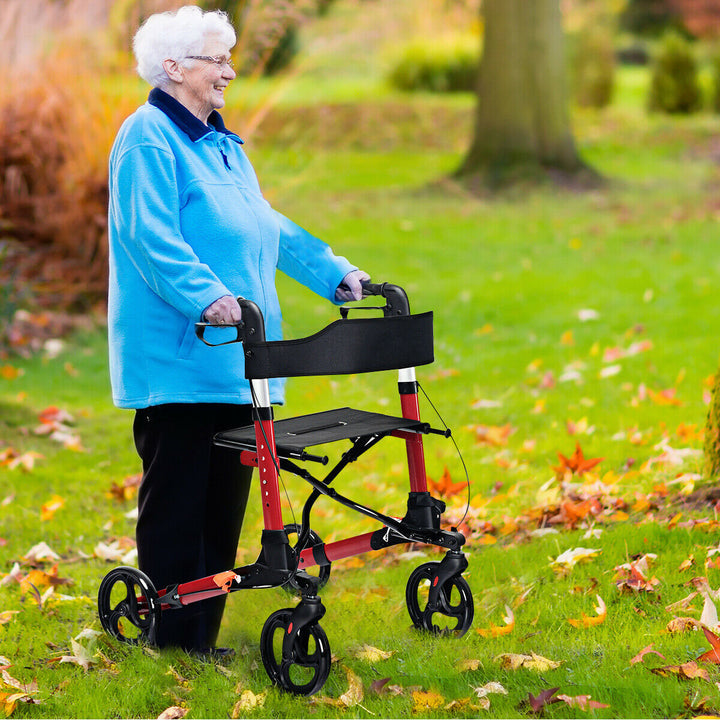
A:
[187, 343]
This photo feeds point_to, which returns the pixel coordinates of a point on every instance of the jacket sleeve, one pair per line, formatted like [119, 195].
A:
[145, 205]
[309, 260]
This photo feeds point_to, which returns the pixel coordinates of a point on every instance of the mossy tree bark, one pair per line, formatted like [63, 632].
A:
[522, 121]
[712, 432]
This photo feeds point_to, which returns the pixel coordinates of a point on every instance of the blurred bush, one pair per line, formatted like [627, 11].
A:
[58, 127]
[592, 66]
[443, 64]
[674, 84]
[715, 78]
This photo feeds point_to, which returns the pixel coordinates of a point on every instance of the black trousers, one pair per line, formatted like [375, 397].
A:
[191, 504]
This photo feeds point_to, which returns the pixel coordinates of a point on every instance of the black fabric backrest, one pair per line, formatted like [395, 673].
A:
[345, 347]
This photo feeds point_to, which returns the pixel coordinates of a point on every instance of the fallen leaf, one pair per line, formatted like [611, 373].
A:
[372, 654]
[645, 651]
[354, 694]
[495, 631]
[688, 671]
[81, 655]
[585, 621]
[712, 655]
[469, 665]
[576, 464]
[48, 510]
[248, 701]
[567, 560]
[488, 688]
[424, 700]
[496, 436]
[445, 487]
[39, 553]
[681, 624]
[583, 702]
[175, 712]
[515, 661]
[538, 702]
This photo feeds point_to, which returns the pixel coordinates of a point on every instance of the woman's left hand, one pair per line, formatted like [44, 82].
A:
[351, 286]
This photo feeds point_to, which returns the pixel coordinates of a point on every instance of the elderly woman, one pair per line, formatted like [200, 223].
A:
[189, 232]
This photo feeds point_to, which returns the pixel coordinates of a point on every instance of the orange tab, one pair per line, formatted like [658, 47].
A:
[224, 579]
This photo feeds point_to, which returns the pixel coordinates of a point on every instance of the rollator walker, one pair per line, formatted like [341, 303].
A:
[294, 647]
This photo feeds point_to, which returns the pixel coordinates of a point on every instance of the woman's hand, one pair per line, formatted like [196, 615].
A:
[224, 311]
[351, 286]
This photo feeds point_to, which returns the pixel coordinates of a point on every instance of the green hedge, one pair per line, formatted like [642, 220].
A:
[446, 64]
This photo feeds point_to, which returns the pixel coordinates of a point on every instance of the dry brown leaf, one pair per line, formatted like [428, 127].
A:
[514, 661]
[689, 671]
[372, 654]
[175, 712]
[681, 624]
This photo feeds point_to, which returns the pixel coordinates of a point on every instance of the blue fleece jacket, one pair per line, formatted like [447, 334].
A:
[187, 225]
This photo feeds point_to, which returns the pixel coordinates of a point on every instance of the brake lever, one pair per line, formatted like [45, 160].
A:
[200, 328]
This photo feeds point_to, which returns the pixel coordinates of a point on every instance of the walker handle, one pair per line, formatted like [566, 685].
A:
[397, 300]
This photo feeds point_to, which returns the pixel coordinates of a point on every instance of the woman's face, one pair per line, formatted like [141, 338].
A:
[204, 82]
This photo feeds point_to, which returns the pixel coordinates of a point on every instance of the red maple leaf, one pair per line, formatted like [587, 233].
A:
[713, 655]
[576, 464]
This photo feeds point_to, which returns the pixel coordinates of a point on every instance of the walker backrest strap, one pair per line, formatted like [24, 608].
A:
[346, 347]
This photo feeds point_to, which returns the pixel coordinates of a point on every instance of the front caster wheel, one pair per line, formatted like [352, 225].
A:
[305, 668]
[450, 603]
[128, 606]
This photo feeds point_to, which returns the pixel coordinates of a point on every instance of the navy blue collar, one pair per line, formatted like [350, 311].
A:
[185, 120]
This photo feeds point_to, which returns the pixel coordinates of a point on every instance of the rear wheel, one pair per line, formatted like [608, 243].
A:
[129, 606]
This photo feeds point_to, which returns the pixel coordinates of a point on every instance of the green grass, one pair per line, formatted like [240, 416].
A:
[506, 277]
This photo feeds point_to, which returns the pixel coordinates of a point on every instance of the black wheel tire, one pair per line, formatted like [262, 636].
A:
[308, 668]
[128, 606]
[322, 572]
[455, 602]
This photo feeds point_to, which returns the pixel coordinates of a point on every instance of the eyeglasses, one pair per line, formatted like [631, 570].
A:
[218, 60]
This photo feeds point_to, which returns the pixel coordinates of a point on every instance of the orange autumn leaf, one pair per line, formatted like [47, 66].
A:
[495, 630]
[664, 397]
[48, 510]
[445, 485]
[495, 435]
[10, 372]
[127, 490]
[41, 579]
[576, 464]
[424, 700]
[585, 621]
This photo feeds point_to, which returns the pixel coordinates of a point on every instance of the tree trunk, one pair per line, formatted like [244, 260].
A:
[712, 432]
[522, 120]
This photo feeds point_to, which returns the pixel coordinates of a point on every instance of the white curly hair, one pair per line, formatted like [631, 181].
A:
[174, 35]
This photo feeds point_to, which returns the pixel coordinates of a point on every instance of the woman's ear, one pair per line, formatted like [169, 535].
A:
[173, 70]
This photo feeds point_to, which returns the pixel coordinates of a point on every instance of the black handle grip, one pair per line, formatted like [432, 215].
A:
[397, 300]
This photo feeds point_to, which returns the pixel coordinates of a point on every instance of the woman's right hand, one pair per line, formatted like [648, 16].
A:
[224, 311]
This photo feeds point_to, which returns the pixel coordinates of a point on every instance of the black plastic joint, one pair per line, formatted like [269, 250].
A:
[408, 387]
[263, 413]
[276, 550]
[319, 555]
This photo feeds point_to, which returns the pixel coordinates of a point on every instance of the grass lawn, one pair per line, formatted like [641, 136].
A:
[560, 319]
